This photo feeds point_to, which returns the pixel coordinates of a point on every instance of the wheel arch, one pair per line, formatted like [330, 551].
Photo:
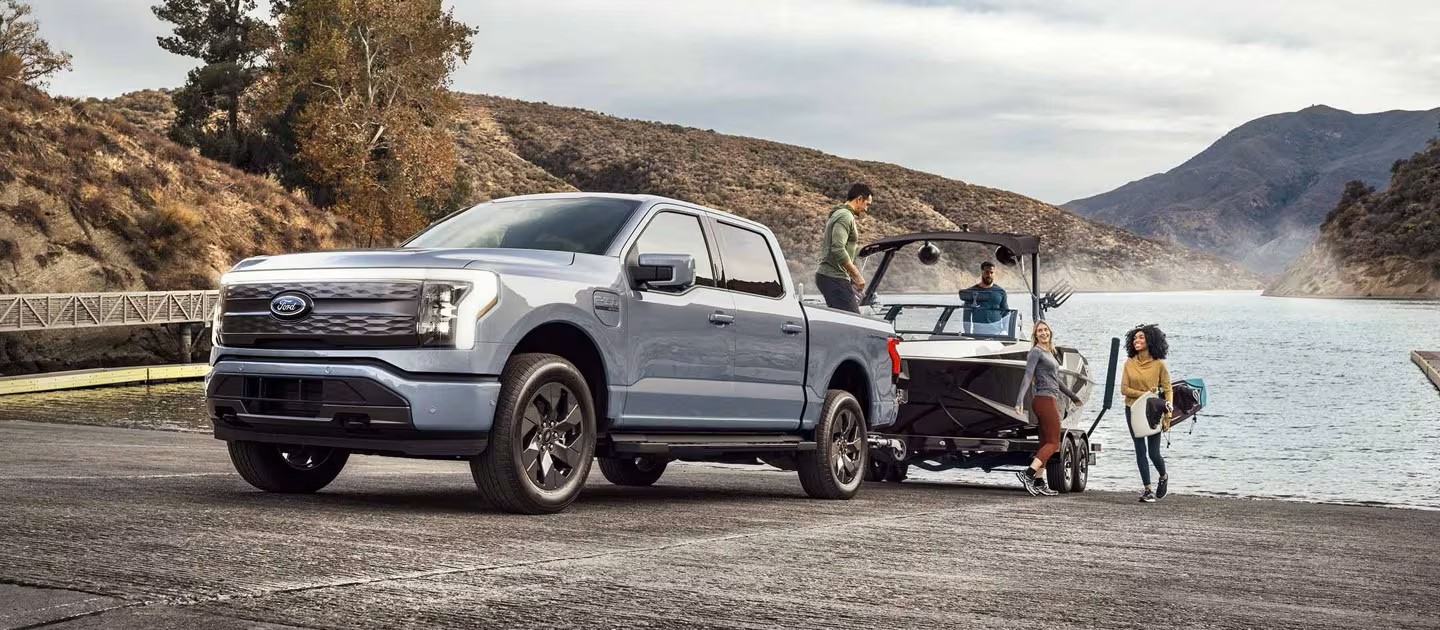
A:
[850, 376]
[574, 344]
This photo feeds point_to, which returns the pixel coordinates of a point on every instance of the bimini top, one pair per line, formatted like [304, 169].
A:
[1020, 244]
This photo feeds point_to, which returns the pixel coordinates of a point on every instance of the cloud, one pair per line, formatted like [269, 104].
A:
[1055, 99]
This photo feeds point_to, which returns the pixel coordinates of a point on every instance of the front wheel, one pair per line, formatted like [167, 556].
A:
[836, 467]
[287, 469]
[632, 471]
[542, 440]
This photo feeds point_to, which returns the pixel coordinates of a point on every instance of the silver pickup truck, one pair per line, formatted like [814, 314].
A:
[530, 335]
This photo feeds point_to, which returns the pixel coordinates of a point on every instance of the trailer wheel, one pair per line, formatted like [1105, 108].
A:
[1082, 465]
[1061, 467]
[836, 467]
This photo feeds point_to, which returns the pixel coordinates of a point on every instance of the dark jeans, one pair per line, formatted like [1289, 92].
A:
[1142, 444]
[838, 293]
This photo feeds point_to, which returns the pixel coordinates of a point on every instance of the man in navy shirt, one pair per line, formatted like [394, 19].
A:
[987, 300]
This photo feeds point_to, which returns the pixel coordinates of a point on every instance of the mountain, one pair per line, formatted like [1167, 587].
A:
[92, 202]
[790, 189]
[1260, 192]
[1384, 244]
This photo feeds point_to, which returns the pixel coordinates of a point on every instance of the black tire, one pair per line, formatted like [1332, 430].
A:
[897, 472]
[287, 469]
[1060, 467]
[540, 451]
[875, 470]
[632, 471]
[836, 467]
[1081, 476]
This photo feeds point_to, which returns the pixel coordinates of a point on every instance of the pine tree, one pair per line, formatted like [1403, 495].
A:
[210, 107]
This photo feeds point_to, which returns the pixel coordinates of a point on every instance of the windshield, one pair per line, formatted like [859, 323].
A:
[982, 321]
[583, 225]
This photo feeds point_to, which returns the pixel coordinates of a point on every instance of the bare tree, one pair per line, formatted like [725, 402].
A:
[24, 55]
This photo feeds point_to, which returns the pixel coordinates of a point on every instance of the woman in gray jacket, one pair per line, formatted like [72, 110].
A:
[1042, 366]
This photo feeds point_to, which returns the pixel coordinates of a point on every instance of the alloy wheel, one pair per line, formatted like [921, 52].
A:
[847, 444]
[551, 432]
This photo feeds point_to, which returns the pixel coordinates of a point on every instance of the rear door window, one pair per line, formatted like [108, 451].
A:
[750, 265]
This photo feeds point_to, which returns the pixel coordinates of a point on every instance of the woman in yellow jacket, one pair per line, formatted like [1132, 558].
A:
[1144, 372]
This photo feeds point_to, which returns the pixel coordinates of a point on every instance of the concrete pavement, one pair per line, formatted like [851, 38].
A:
[118, 528]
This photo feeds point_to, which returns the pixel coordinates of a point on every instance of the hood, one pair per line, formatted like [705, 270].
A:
[409, 258]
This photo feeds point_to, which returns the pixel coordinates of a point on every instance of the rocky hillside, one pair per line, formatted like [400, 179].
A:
[94, 198]
[1384, 244]
[791, 188]
[89, 201]
[1259, 193]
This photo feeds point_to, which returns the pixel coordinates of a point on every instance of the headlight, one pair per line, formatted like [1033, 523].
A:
[436, 323]
[216, 318]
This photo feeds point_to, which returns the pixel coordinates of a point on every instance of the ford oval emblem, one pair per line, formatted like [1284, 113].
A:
[290, 306]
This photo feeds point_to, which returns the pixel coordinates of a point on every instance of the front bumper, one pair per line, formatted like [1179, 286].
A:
[366, 405]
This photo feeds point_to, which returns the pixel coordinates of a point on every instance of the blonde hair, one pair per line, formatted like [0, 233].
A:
[1049, 346]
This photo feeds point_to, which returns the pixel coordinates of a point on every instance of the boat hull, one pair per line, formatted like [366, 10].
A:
[974, 396]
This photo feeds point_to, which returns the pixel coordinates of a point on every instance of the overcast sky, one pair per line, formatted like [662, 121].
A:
[1051, 98]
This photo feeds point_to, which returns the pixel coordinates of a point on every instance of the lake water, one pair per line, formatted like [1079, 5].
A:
[1308, 399]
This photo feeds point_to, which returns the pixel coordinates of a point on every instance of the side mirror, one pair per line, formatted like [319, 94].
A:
[663, 271]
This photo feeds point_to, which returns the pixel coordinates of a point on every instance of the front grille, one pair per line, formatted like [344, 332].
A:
[343, 315]
[316, 325]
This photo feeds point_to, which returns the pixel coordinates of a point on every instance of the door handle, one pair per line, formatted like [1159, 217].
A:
[721, 319]
[792, 328]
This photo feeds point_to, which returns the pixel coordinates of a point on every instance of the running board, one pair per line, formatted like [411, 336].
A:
[691, 444]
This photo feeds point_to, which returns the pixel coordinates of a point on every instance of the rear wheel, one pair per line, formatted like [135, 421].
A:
[1081, 476]
[287, 469]
[836, 467]
[632, 471]
[1060, 470]
[542, 440]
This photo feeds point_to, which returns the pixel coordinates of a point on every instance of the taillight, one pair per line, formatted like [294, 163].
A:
[893, 347]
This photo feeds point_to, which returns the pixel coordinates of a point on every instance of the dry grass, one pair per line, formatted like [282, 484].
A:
[97, 182]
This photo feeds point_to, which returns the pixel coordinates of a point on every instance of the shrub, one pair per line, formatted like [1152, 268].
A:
[169, 233]
[84, 248]
[29, 211]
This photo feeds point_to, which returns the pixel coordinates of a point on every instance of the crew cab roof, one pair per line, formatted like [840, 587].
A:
[645, 200]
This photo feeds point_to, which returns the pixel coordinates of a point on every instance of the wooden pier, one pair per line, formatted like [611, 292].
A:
[80, 379]
[1429, 363]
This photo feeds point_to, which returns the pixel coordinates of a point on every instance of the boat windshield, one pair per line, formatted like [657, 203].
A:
[953, 320]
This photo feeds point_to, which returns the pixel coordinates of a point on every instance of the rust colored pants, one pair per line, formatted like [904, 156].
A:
[1049, 417]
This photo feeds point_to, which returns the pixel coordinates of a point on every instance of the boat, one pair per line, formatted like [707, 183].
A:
[964, 362]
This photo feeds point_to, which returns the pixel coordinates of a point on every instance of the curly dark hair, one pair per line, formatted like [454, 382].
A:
[1154, 341]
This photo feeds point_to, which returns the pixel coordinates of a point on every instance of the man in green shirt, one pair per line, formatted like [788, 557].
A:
[838, 278]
